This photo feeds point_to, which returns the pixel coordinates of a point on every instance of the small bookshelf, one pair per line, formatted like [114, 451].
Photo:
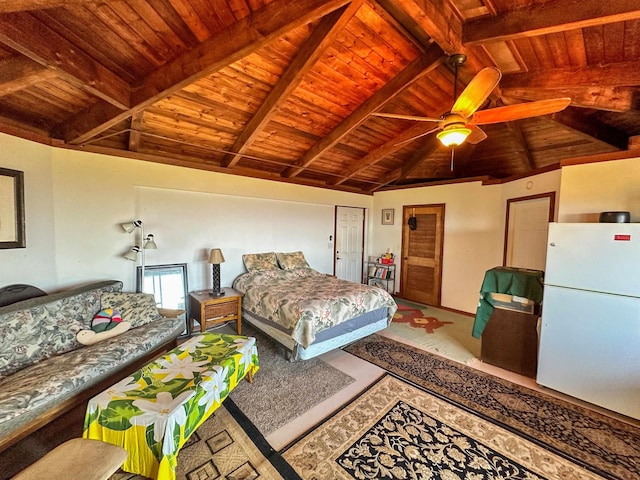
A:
[382, 275]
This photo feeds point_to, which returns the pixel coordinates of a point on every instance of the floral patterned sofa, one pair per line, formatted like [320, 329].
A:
[45, 371]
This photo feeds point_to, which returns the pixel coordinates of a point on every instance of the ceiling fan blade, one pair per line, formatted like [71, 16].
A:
[519, 111]
[407, 117]
[477, 91]
[476, 136]
[417, 136]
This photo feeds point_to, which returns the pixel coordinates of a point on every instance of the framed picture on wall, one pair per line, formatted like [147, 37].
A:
[387, 216]
[12, 209]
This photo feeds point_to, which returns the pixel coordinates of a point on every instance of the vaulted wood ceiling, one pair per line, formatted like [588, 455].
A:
[285, 90]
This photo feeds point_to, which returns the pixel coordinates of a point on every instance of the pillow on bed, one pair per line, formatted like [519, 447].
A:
[289, 261]
[254, 262]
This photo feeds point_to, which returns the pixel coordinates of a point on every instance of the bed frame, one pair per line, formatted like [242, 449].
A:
[335, 337]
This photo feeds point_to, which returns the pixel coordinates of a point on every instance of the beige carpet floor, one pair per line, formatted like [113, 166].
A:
[292, 387]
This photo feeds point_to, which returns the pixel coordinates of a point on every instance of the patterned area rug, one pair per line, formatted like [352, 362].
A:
[601, 444]
[226, 446]
[396, 430]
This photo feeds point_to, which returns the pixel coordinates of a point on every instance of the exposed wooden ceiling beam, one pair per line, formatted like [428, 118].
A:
[408, 23]
[313, 48]
[610, 99]
[463, 156]
[18, 73]
[521, 142]
[414, 71]
[435, 18]
[430, 145]
[620, 74]
[393, 145]
[22, 5]
[420, 155]
[197, 163]
[29, 131]
[548, 17]
[134, 132]
[35, 40]
[234, 43]
[438, 21]
[591, 128]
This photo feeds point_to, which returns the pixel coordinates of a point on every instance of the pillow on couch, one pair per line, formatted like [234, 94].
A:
[289, 261]
[254, 262]
[106, 323]
[135, 308]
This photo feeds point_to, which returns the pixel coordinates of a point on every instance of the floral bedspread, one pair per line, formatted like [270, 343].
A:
[303, 301]
[152, 413]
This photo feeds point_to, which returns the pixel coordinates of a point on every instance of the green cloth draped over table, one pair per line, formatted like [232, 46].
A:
[520, 282]
[152, 413]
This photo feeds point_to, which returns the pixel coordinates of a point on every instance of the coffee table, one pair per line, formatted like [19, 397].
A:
[153, 412]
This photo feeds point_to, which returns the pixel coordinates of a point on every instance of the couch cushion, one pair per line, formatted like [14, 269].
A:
[135, 308]
[28, 393]
[39, 328]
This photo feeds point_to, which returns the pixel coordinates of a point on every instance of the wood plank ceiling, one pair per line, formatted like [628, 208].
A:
[286, 90]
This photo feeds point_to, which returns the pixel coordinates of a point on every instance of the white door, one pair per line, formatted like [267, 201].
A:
[349, 243]
[527, 228]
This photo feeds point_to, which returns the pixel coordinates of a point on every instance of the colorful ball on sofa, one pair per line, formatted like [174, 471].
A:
[105, 320]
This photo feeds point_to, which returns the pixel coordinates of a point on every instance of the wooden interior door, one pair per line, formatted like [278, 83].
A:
[421, 278]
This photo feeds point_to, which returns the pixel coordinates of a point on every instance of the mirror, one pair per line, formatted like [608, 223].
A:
[168, 284]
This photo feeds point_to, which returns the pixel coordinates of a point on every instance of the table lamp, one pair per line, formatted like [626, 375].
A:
[215, 259]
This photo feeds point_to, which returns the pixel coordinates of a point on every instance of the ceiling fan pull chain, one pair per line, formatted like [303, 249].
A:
[452, 150]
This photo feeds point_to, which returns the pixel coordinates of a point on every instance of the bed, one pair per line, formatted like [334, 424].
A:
[306, 311]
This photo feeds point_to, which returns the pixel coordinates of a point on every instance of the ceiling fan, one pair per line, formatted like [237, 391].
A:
[461, 122]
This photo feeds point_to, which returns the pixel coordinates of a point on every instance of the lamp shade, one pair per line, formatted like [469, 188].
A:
[131, 226]
[132, 254]
[216, 256]
[150, 243]
[453, 135]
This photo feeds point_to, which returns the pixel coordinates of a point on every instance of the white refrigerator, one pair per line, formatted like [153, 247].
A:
[590, 333]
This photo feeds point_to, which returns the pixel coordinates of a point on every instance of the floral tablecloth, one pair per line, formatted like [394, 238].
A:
[152, 413]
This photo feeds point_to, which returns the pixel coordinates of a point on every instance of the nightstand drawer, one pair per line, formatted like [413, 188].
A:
[221, 310]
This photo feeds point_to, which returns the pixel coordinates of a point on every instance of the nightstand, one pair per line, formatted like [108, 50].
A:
[208, 310]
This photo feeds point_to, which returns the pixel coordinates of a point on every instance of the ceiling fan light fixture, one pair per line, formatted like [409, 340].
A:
[453, 135]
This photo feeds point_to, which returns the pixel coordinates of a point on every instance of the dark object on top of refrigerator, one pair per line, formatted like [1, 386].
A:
[615, 217]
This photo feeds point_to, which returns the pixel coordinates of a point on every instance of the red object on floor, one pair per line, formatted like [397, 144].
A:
[415, 317]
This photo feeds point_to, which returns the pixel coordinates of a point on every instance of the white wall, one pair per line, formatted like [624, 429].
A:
[538, 184]
[591, 188]
[473, 229]
[472, 224]
[36, 263]
[75, 202]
